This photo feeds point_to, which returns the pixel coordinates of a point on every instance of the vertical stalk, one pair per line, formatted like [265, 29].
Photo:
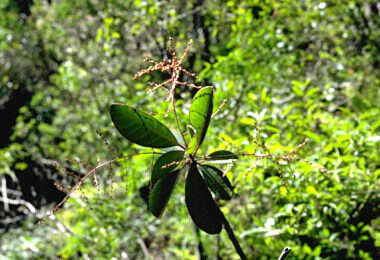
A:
[201, 251]
[232, 236]
[178, 125]
[174, 78]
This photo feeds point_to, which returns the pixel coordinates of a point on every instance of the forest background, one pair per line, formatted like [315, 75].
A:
[295, 70]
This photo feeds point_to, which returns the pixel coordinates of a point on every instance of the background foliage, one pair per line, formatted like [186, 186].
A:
[297, 69]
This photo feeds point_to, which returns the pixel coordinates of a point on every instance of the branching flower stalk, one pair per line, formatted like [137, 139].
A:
[173, 66]
[89, 174]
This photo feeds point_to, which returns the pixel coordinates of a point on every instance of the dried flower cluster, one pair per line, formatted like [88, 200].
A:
[173, 67]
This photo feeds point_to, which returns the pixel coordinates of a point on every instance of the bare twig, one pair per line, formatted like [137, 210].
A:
[4, 193]
[184, 15]
[219, 108]
[91, 172]
[28, 205]
[110, 148]
[143, 248]
[14, 192]
[284, 253]
[8, 221]
[79, 183]
[29, 245]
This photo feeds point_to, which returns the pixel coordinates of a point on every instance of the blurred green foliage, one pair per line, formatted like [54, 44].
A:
[297, 69]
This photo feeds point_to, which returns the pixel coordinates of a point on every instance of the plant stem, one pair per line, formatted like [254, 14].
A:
[201, 251]
[232, 237]
[178, 126]
[173, 80]
[80, 182]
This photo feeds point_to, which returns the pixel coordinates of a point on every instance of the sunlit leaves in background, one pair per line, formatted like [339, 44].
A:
[297, 68]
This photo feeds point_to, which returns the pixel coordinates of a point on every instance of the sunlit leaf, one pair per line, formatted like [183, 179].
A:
[160, 194]
[200, 204]
[141, 128]
[200, 115]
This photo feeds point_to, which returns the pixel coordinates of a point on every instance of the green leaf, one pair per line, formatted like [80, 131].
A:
[164, 160]
[160, 194]
[200, 115]
[144, 193]
[200, 204]
[141, 128]
[218, 183]
[221, 156]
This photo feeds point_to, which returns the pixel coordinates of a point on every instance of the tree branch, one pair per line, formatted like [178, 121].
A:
[284, 253]
[4, 193]
[27, 204]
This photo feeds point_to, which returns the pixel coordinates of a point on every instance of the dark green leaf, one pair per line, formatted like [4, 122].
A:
[144, 193]
[221, 156]
[141, 128]
[164, 160]
[200, 115]
[160, 194]
[218, 183]
[200, 204]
